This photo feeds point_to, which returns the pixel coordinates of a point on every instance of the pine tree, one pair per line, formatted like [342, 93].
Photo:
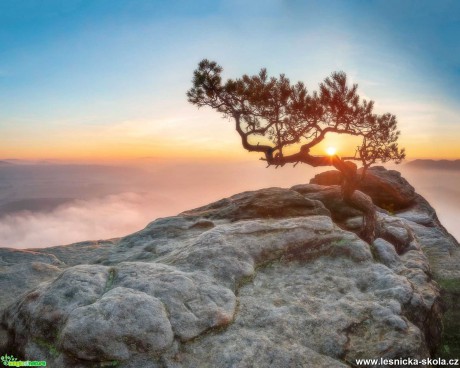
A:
[284, 121]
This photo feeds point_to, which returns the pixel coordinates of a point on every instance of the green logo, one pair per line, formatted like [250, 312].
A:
[11, 361]
[7, 358]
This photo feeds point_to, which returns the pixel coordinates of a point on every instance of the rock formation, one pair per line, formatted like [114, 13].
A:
[270, 278]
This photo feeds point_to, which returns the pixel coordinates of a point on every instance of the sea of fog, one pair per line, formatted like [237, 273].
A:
[45, 204]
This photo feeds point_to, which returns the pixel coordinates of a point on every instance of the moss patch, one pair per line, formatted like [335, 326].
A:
[450, 285]
[450, 343]
[48, 346]
[110, 278]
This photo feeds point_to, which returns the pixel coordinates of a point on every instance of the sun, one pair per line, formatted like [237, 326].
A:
[331, 151]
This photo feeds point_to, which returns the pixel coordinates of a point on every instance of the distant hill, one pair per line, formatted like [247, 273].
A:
[16, 161]
[435, 164]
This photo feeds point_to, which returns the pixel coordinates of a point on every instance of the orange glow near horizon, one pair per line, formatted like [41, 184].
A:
[96, 151]
[221, 143]
[121, 153]
[127, 151]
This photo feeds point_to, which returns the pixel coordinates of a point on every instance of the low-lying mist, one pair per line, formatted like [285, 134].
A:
[442, 189]
[47, 205]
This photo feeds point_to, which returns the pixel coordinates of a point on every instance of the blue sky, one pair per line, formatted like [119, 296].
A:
[87, 78]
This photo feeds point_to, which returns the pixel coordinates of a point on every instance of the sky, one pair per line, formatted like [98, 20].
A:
[106, 79]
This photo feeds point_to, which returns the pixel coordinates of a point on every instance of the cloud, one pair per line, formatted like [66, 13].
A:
[107, 217]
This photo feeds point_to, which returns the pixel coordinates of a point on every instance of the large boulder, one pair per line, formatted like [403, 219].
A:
[264, 203]
[263, 278]
[387, 188]
[331, 198]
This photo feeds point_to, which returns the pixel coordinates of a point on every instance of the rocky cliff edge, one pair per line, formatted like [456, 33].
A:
[269, 278]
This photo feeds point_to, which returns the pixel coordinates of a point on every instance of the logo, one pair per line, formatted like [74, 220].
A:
[11, 361]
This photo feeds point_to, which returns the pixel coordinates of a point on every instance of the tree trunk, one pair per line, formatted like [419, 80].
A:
[364, 203]
[357, 199]
[350, 184]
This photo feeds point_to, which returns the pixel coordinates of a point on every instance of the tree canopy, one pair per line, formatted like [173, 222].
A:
[285, 116]
[284, 121]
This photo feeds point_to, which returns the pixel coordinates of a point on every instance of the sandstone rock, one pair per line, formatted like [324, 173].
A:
[330, 177]
[22, 270]
[129, 317]
[397, 232]
[387, 188]
[265, 203]
[330, 197]
[263, 278]
[78, 253]
[386, 253]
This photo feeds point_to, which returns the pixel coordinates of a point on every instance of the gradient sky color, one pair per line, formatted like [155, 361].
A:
[85, 79]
